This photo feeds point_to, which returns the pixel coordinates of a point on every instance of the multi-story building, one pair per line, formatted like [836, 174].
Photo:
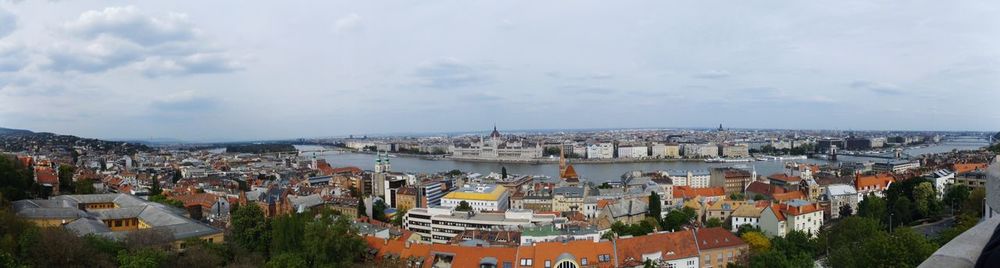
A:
[719, 247]
[481, 197]
[604, 150]
[693, 179]
[496, 147]
[568, 199]
[840, 195]
[733, 179]
[441, 224]
[534, 201]
[693, 150]
[633, 151]
[735, 151]
[972, 179]
[897, 166]
[796, 215]
[748, 215]
[663, 249]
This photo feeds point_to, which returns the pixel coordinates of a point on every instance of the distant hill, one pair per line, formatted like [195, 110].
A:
[15, 140]
[11, 131]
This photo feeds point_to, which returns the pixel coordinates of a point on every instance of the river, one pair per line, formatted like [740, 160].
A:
[597, 172]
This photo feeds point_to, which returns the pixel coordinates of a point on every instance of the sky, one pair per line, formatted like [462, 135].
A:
[238, 70]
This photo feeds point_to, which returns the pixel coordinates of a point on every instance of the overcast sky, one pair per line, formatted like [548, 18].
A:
[231, 70]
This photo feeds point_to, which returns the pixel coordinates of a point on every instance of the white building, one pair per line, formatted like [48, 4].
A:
[604, 150]
[795, 215]
[497, 148]
[481, 197]
[694, 179]
[440, 224]
[840, 195]
[633, 151]
[942, 178]
[703, 150]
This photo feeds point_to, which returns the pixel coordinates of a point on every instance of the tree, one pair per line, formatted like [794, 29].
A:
[737, 196]
[861, 242]
[925, 199]
[677, 218]
[154, 188]
[66, 184]
[289, 260]
[249, 228]
[142, 258]
[845, 211]
[398, 218]
[955, 196]
[164, 200]
[176, 176]
[757, 241]
[604, 185]
[463, 206]
[655, 209]
[873, 207]
[200, 254]
[84, 187]
[287, 233]
[974, 204]
[332, 242]
[362, 210]
[745, 228]
[713, 222]
[902, 211]
[378, 210]
[503, 172]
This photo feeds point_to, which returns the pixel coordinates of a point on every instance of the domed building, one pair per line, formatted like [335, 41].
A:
[496, 147]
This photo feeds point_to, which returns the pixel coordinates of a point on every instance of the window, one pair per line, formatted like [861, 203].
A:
[583, 261]
[548, 264]
[526, 262]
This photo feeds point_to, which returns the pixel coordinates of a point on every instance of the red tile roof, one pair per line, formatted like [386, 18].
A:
[879, 181]
[785, 178]
[672, 246]
[960, 168]
[688, 192]
[712, 238]
[46, 175]
[788, 196]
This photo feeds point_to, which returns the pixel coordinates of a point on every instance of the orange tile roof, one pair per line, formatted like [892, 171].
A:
[718, 237]
[570, 172]
[206, 200]
[784, 177]
[688, 192]
[879, 181]
[675, 245]
[806, 209]
[776, 209]
[579, 249]
[966, 167]
[46, 175]
[788, 196]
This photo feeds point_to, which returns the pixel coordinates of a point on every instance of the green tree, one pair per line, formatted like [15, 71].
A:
[713, 222]
[902, 211]
[154, 188]
[655, 205]
[249, 228]
[955, 196]
[362, 210]
[166, 201]
[503, 172]
[287, 260]
[604, 185]
[398, 218]
[378, 211]
[332, 243]
[873, 207]
[142, 258]
[974, 204]
[287, 233]
[463, 206]
[925, 199]
[845, 211]
[66, 184]
[85, 187]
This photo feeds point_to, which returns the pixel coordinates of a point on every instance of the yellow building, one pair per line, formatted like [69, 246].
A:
[481, 197]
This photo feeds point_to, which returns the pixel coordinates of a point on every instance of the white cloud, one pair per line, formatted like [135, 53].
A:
[8, 23]
[114, 37]
[349, 23]
[13, 57]
[128, 23]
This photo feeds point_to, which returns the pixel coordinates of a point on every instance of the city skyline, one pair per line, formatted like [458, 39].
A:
[183, 70]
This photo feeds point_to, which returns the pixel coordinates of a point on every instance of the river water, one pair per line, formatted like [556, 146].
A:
[597, 172]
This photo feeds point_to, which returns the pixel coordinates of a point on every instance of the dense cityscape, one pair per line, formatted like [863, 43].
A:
[499, 134]
[278, 205]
